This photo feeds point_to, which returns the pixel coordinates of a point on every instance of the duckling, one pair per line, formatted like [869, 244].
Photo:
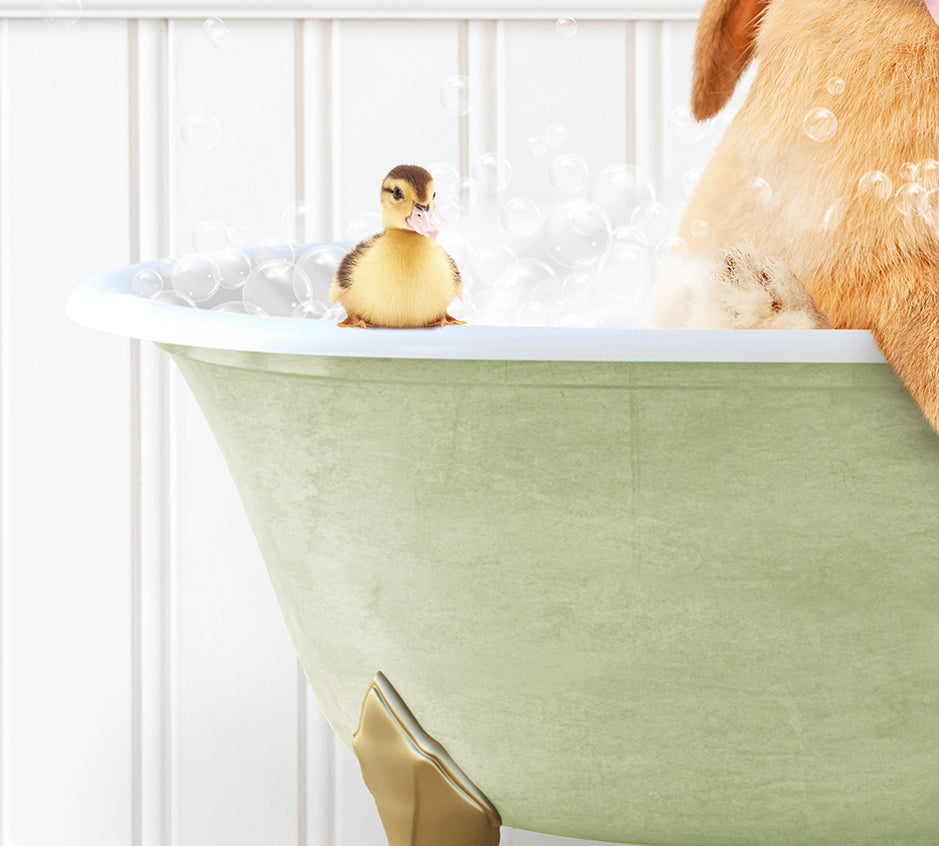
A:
[401, 276]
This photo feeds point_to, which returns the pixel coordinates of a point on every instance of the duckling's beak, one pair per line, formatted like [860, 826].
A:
[421, 220]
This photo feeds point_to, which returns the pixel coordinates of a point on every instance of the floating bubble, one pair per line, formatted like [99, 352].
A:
[490, 262]
[820, 124]
[471, 192]
[459, 95]
[652, 217]
[167, 266]
[449, 213]
[577, 233]
[237, 235]
[197, 277]
[555, 134]
[700, 229]
[672, 249]
[234, 267]
[579, 289]
[684, 128]
[277, 286]
[876, 184]
[569, 173]
[173, 298]
[834, 215]
[298, 221]
[240, 307]
[537, 145]
[493, 172]
[521, 216]
[929, 207]
[566, 27]
[146, 283]
[630, 233]
[274, 249]
[525, 278]
[909, 199]
[363, 225]
[619, 189]
[927, 174]
[627, 273]
[908, 172]
[834, 85]
[760, 191]
[312, 310]
[61, 14]
[319, 265]
[213, 26]
[446, 181]
[201, 131]
[532, 314]
[689, 181]
[209, 236]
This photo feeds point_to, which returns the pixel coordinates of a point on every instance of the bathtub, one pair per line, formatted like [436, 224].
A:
[634, 586]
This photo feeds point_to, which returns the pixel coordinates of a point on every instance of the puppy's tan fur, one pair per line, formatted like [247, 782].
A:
[867, 265]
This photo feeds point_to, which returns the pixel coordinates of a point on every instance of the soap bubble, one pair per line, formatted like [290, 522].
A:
[760, 191]
[470, 192]
[627, 273]
[909, 199]
[579, 289]
[493, 172]
[173, 298]
[273, 249]
[569, 173]
[209, 236]
[312, 310]
[446, 181]
[240, 307]
[363, 225]
[619, 189]
[834, 215]
[146, 283]
[555, 134]
[61, 13]
[521, 216]
[820, 124]
[927, 174]
[908, 172]
[875, 184]
[237, 235]
[223, 40]
[490, 262]
[537, 145]
[277, 286]
[449, 212]
[298, 221]
[218, 33]
[684, 128]
[234, 267]
[632, 234]
[566, 27]
[700, 229]
[652, 217]
[459, 94]
[196, 276]
[929, 207]
[526, 278]
[577, 233]
[167, 266]
[672, 249]
[835, 85]
[213, 26]
[319, 264]
[689, 181]
[201, 131]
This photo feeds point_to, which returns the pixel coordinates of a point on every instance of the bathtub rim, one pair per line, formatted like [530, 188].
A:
[106, 302]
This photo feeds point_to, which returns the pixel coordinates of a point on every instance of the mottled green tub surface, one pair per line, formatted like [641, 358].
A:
[650, 603]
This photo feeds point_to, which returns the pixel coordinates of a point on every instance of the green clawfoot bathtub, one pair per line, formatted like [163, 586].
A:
[634, 586]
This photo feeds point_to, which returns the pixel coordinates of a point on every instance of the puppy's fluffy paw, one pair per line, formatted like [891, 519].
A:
[743, 291]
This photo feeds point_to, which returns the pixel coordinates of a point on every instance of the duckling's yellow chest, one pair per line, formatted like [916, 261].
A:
[403, 279]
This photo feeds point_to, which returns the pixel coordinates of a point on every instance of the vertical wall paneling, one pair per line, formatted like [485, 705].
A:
[648, 99]
[67, 448]
[5, 488]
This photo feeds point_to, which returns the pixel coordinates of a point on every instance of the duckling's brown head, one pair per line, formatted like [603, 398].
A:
[407, 200]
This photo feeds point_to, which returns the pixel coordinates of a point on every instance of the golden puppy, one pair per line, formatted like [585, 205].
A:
[826, 177]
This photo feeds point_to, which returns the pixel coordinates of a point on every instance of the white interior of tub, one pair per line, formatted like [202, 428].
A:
[108, 303]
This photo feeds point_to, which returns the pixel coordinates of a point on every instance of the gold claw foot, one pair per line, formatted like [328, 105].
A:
[423, 797]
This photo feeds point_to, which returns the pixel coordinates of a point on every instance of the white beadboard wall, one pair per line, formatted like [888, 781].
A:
[150, 695]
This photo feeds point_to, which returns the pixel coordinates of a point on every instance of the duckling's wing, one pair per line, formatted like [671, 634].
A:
[343, 278]
[457, 279]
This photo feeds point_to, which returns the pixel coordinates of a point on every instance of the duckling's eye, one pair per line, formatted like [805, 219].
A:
[398, 194]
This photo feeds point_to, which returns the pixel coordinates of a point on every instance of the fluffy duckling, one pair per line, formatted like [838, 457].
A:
[402, 276]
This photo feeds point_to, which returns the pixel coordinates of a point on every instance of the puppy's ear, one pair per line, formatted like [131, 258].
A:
[723, 48]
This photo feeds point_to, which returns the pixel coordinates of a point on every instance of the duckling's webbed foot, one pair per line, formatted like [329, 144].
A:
[445, 320]
[355, 320]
